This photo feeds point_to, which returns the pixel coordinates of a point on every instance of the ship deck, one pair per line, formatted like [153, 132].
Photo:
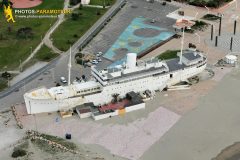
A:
[174, 65]
[151, 70]
[41, 93]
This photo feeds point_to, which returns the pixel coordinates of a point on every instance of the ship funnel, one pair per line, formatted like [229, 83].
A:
[131, 60]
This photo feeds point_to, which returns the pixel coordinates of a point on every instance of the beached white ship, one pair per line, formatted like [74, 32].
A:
[137, 76]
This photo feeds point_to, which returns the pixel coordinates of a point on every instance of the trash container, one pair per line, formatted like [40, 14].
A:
[68, 136]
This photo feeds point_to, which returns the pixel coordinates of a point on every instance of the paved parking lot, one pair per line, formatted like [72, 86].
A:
[134, 8]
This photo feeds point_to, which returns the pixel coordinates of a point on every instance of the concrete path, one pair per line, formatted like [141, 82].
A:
[96, 6]
[46, 40]
[61, 18]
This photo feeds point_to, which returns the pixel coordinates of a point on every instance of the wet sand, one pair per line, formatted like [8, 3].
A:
[206, 130]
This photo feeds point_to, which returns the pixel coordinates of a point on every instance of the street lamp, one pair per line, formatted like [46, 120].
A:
[196, 15]
[199, 38]
[8, 81]
[20, 66]
[207, 9]
[31, 50]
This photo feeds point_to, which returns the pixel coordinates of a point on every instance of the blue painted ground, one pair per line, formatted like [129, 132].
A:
[128, 36]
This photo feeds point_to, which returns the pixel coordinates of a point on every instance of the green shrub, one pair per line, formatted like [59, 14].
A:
[208, 3]
[19, 153]
[211, 17]
[6, 75]
[75, 16]
[74, 2]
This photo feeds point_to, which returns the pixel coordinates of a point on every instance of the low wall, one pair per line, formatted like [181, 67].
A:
[135, 107]
[103, 116]
[119, 112]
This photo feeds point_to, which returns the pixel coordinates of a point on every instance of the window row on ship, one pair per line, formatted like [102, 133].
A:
[160, 75]
[88, 90]
[137, 78]
[143, 82]
[104, 80]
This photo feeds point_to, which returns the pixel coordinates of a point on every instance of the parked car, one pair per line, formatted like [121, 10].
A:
[99, 59]
[78, 79]
[99, 54]
[63, 80]
[88, 64]
[94, 61]
[153, 21]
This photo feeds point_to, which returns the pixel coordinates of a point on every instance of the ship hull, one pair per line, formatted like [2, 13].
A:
[149, 83]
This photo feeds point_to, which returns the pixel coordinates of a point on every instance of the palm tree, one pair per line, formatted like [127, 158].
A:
[115, 97]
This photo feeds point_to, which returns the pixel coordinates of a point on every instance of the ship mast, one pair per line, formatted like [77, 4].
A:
[182, 43]
[69, 66]
[183, 23]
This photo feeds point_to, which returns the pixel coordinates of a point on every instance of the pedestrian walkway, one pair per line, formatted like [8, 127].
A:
[224, 42]
[95, 6]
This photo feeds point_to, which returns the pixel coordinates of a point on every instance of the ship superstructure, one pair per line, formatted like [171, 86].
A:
[133, 75]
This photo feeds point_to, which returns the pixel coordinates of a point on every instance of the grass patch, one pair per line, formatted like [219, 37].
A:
[101, 2]
[169, 54]
[199, 25]
[52, 150]
[210, 17]
[61, 141]
[45, 54]
[13, 49]
[71, 30]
